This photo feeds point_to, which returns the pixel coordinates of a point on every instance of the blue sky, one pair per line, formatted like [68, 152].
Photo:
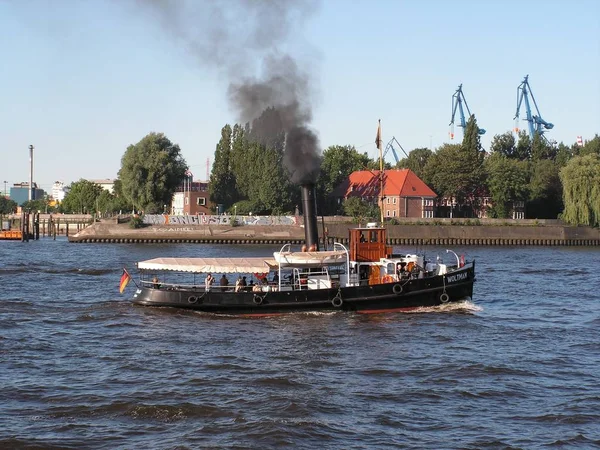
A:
[83, 80]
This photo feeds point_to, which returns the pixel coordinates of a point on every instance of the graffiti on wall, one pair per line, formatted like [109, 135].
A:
[167, 219]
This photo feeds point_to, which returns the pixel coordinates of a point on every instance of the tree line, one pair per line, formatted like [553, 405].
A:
[248, 176]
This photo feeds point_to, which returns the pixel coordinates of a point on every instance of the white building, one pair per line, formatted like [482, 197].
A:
[106, 183]
[177, 203]
[59, 190]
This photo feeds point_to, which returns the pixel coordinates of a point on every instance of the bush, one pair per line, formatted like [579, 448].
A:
[136, 222]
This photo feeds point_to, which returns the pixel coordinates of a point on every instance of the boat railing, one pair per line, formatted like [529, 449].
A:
[260, 287]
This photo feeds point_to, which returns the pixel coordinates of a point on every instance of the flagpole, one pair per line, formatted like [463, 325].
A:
[379, 140]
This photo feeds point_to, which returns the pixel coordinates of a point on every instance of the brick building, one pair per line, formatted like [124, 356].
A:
[405, 194]
[191, 198]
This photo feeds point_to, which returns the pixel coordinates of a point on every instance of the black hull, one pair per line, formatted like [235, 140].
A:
[406, 295]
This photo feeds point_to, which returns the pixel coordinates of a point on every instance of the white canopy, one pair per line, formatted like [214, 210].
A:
[310, 259]
[209, 265]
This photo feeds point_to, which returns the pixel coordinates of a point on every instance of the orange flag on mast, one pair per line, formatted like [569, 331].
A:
[378, 137]
[124, 280]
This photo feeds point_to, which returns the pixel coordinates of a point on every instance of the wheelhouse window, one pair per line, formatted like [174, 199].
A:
[201, 201]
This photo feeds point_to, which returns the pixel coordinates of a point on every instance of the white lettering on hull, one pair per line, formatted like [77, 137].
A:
[456, 277]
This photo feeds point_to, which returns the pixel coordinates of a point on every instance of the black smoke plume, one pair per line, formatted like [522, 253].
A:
[245, 40]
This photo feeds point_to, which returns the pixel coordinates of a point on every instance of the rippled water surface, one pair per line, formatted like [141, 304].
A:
[80, 367]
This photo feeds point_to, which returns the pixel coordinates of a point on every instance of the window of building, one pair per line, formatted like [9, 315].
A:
[201, 201]
[388, 201]
[428, 214]
[394, 200]
[187, 201]
[427, 202]
[387, 213]
[394, 213]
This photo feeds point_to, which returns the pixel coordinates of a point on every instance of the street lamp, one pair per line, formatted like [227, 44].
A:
[235, 210]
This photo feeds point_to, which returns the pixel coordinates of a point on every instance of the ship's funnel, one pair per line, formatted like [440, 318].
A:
[309, 209]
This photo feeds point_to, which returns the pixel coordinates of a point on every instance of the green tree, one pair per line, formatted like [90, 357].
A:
[416, 161]
[222, 187]
[442, 171]
[507, 181]
[563, 154]
[7, 206]
[545, 190]
[360, 210]
[81, 197]
[338, 162]
[151, 171]
[591, 146]
[505, 144]
[581, 190]
[542, 149]
[455, 171]
[523, 150]
[39, 205]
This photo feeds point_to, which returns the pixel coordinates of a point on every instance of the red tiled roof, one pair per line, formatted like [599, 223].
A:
[402, 182]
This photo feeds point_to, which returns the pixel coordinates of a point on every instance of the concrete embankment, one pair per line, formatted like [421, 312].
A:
[105, 232]
[338, 232]
[482, 235]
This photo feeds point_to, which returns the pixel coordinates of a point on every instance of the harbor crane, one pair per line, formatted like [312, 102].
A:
[457, 103]
[390, 146]
[536, 123]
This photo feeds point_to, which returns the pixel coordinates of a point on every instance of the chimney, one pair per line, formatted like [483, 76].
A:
[31, 190]
[309, 209]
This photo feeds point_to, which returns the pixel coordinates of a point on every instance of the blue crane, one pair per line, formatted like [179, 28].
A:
[457, 102]
[536, 123]
[390, 146]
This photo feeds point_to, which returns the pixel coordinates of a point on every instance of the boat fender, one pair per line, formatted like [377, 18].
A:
[337, 301]
[192, 299]
[444, 298]
[257, 299]
[397, 289]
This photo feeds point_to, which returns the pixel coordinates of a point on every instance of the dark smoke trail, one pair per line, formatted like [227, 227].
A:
[240, 38]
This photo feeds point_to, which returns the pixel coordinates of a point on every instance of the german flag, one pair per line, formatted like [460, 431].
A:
[124, 280]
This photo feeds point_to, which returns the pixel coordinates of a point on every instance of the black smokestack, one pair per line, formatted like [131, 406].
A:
[309, 209]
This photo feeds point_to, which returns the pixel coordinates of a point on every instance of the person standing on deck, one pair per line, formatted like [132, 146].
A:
[209, 281]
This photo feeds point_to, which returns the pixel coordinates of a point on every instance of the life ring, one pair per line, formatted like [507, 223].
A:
[192, 299]
[397, 289]
[387, 279]
[444, 298]
[257, 299]
[337, 301]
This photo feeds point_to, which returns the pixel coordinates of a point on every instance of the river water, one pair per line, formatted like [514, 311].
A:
[80, 367]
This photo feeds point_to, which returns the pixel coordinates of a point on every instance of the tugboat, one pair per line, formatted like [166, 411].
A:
[364, 277]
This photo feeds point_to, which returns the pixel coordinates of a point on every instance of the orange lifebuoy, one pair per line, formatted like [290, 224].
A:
[387, 279]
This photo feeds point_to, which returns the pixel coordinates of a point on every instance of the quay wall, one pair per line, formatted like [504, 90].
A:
[481, 235]
[555, 235]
